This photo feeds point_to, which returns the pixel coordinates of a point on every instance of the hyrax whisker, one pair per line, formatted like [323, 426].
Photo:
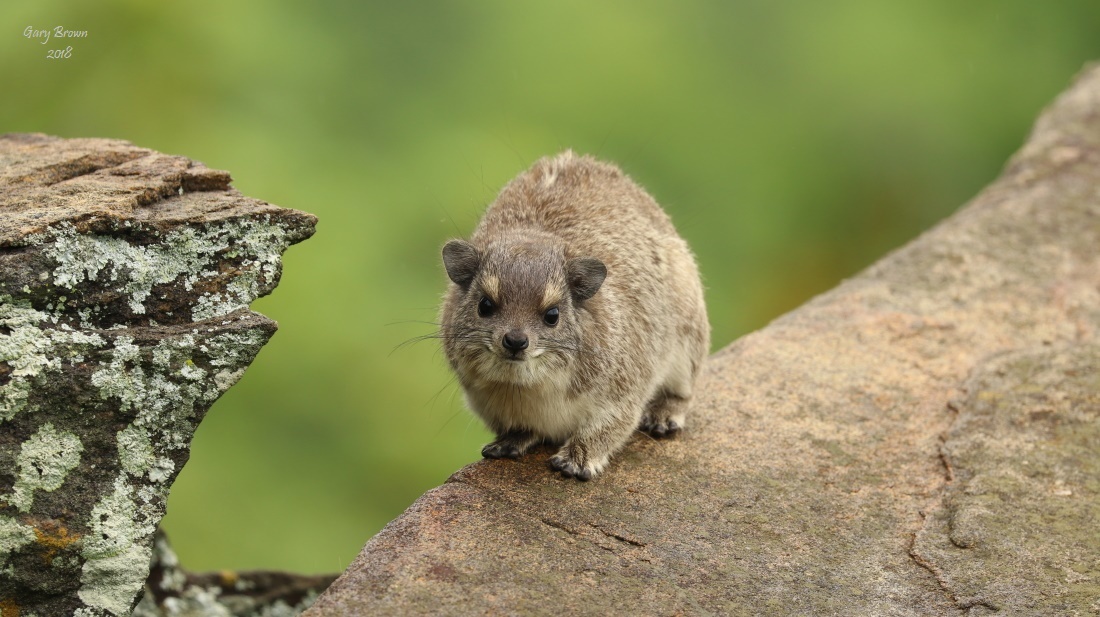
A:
[440, 335]
[574, 315]
[420, 321]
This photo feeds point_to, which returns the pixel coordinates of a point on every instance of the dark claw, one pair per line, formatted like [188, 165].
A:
[498, 450]
[661, 429]
[569, 469]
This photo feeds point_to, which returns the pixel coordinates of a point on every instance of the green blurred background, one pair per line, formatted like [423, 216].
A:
[793, 143]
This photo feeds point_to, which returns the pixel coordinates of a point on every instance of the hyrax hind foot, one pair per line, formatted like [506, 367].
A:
[664, 415]
[573, 462]
[660, 428]
[512, 444]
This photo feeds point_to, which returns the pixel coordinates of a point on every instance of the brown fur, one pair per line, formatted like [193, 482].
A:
[627, 346]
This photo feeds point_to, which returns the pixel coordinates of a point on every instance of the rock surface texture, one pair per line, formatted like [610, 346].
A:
[922, 440]
[125, 281]
[172, 591]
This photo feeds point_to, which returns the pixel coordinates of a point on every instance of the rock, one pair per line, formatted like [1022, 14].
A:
[824, 470]
[171, 591]
[1017, 526]
[125, 280]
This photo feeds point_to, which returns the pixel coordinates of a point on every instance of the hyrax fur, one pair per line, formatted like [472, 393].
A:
[575, 315]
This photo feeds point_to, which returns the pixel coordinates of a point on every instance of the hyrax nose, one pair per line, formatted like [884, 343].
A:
[515, 341]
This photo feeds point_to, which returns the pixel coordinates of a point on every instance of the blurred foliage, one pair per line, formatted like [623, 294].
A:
[793, 142]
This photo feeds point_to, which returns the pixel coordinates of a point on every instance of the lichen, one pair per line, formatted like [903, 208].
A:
[13, 536]
[135, 451]
[196, 601]
[111, 583]
[116, 521]
[30, 350]
[162, 387]
[13, 398]
[25, 346]
[165, 400]
[52, 540]
[115, 552]
[164, 407]
[188, 254]
[44, 460]
[225, 379]
[161, 469]
[233, 349]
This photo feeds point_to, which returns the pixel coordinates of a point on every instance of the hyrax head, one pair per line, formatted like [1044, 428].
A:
[513, 310]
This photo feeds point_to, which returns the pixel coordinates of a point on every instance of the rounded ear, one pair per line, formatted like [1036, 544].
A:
[586, 274]
[461, 260]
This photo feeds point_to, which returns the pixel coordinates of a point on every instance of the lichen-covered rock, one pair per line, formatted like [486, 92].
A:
[172, 591]
[125, 281]
[823, 470]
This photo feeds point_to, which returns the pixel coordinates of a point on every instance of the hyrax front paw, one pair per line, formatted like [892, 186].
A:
[512, 444]
[572, 463]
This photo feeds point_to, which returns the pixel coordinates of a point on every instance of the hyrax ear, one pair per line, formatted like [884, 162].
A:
[586, 274]
[461, 260]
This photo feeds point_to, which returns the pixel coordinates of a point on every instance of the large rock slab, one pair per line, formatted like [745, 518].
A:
[919, 441]
[125, 280]
[1019, 524]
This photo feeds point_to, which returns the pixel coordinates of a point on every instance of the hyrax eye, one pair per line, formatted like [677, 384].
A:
[551, 317]
[486, 307]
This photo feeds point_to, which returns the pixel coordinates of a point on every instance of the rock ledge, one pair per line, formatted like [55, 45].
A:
[921, 440]
[125, 281]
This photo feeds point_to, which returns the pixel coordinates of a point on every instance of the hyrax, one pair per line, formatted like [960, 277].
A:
[575, 315]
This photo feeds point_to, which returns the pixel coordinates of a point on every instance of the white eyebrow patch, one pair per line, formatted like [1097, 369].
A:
[551, 296]
[490, 284]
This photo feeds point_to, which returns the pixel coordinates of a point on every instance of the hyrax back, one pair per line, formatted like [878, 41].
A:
[575, 315]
